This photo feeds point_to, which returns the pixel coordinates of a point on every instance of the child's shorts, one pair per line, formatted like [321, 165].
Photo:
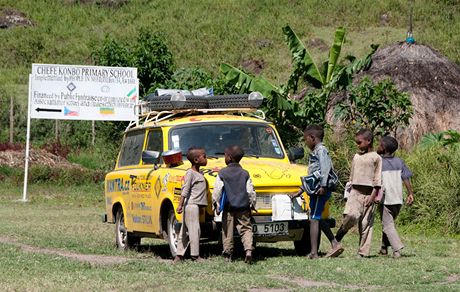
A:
[317, 204]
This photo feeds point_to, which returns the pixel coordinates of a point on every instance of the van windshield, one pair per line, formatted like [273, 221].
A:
[257, 140]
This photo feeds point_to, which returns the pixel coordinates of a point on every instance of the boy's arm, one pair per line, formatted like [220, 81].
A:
[180, 207]
[410, 193]
[325, 165]
[217, 192]
[405, 175]
[377, 182]
[251, 194]
[185, 192]
[350, 179]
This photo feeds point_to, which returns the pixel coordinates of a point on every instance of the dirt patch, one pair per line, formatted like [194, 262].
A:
[304, 283]
[318, 43]
[10, 17]
[14, 158]
[94, 260]
[451, 279]
[253, 65]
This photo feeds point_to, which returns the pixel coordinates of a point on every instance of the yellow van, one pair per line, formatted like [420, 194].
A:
[142, 192]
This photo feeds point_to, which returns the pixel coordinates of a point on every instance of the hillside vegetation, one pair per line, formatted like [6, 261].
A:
[207, 33]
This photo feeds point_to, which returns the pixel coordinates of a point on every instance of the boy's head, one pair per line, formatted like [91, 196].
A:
[233, 153]
[197, 156]
[364, 139]
[387, 145]
[313, 134]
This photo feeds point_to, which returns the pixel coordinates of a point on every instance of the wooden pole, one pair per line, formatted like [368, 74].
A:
[11, 119]
[56, 131]
[93, 130]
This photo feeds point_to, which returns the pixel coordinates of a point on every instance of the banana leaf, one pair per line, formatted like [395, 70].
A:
[302, 60]
[334, 52]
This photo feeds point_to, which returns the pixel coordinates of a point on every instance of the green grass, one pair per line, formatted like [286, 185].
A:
[67, 219]
[207, 33]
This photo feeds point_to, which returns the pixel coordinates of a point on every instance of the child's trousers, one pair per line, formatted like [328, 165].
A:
[240, 219]
[190, 231]
[390, 236]
[357, 213]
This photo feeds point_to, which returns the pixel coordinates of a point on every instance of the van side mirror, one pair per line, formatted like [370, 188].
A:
[150, 157]
[295, 153]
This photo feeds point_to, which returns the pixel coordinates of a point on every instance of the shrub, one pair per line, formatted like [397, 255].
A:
[380, 107]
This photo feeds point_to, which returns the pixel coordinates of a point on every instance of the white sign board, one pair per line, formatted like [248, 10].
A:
[73, 92]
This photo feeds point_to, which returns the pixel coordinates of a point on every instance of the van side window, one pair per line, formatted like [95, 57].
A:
[155, 140]
[131, 150]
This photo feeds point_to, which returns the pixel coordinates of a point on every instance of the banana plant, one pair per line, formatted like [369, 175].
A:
[304, 66]
[244, 83]
[289, 114]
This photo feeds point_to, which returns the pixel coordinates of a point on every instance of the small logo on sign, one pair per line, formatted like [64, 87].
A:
[69, 112]
[71, 86]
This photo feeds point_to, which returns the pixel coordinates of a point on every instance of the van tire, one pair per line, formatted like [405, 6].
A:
[172, 232]
[124, 240]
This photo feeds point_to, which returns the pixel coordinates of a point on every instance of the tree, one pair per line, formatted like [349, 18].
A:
[149, 54]
[379, 107]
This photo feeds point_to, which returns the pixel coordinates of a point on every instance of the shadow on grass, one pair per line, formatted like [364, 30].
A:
[213, 249]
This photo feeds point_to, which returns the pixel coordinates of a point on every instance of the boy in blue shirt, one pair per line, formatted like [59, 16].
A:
[319, 160]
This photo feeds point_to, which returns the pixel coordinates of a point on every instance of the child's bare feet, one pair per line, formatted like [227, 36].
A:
[248, 257]
[178, 259]
[197, 259]
[313, 256]
[396, 254]
[227, 256]
[383, 251]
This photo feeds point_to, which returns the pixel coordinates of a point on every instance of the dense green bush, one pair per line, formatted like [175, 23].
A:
[380, 107]
[149, 54]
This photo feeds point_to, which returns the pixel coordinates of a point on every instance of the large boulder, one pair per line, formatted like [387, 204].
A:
[432, 81]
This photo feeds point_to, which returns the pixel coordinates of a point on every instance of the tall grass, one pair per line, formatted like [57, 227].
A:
[436, 183]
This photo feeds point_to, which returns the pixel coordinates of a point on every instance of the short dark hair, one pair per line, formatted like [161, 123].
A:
[390, 144]
[366, 133]
[315, 130]
[235, 152]
[192, 153]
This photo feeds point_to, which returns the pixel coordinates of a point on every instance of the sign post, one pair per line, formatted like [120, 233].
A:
[73, 92]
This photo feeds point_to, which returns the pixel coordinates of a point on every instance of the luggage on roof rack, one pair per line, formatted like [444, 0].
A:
[178, 100]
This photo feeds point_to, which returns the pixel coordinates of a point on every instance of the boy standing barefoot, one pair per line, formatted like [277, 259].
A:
[366, 181]
[193, 197]
[394, 173]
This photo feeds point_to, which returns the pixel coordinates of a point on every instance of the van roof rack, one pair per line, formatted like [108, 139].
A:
[158, 116]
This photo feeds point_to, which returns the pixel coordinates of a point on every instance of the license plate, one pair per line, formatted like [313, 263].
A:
[270, 228]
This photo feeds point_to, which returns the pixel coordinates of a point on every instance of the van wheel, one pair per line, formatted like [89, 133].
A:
[125, 240]
[303, 246]
[172, 232]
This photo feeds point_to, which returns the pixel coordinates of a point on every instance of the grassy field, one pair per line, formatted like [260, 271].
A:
[56, 241]
[207, 33]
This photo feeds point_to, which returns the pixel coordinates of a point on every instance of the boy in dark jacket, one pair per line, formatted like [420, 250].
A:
[241, 199]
